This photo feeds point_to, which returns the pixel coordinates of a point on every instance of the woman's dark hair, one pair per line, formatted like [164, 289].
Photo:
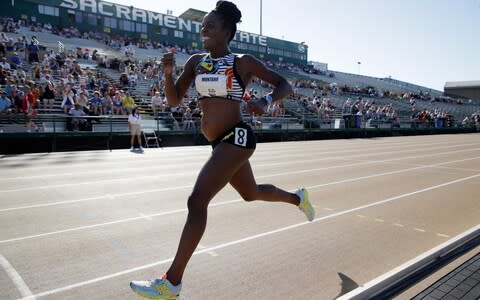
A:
[230, 15]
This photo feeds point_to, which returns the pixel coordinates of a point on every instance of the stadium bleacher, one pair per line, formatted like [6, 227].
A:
[296, 115]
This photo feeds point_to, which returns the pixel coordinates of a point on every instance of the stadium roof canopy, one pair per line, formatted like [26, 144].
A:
[462, 84]
[193, 14]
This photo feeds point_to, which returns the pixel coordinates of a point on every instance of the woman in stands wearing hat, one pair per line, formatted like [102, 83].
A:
[220, 79]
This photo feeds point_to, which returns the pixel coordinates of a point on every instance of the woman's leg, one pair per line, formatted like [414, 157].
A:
[244, 182]
[139, 140]
[225, 161]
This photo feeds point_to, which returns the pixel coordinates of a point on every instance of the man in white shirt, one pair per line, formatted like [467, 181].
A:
[157, 103]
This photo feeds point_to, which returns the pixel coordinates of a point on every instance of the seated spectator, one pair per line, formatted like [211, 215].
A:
[68, 100]
[132, 79]
[3, 37]
[255, 122]
[5, 65]
[16, 97]
[77, 122]
[124, 82]
[94, 54]
[107, 104]
[76, 70]
[14, 60]
[82, 99]
[3, 51]
[127, 102]
[96, 103]
[83, 89]
[117, 104]
[91, 81]
[5, 105]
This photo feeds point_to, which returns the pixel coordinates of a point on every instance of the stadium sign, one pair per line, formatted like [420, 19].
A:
[139, 15]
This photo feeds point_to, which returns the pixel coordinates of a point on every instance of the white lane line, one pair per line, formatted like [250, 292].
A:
[16, 278]
[167, 157]
[169, 164]
[109, 196]
[253, 237]
[211, 205]
[258, 177]
[146, 217]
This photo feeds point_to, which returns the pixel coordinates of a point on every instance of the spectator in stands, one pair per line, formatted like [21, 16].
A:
[117, 104]
[68, 100]
[83, 89]
[16, 97]
[255, 122]
[346, 113]
[20, 73]
[14, 60]
[107, 104]
[123, 80]
[5, 65]
[356, 115]
[10, 45]
[5, 105]
[132, 79]
[69, 80]
[187, 120]
[77, 122]
[3, 37]
[63, 72]
[3, 76]
[127, 102]
[91, 80]
[33, 51]
[48, 96]
[157, 103]
[29, 108]
[82, 99]
[3, 51]
[134, 120]
[232, 140]
[96, 103]
[76, 70]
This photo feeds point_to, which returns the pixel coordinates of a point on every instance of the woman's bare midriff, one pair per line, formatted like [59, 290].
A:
[219, 115]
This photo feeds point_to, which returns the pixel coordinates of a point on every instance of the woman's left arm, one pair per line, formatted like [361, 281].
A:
[251, 66]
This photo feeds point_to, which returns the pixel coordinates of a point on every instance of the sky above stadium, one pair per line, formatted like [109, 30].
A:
[426, 42]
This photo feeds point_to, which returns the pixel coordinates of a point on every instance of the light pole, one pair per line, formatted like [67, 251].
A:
[359, 63]
[261, 13]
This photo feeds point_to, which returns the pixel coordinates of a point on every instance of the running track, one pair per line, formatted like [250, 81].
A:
[81, 225]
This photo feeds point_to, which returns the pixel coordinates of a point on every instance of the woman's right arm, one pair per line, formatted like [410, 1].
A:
[174, 91]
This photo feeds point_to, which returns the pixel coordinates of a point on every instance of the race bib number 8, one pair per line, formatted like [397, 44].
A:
[241, 137]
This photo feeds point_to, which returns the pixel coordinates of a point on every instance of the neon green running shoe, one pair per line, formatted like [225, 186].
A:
[305, 206]
[157, 289]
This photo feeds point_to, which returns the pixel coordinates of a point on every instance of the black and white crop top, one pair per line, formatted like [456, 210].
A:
[218, 78]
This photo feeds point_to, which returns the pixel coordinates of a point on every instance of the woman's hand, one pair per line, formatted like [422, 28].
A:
[257, 106]
[168, 63]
